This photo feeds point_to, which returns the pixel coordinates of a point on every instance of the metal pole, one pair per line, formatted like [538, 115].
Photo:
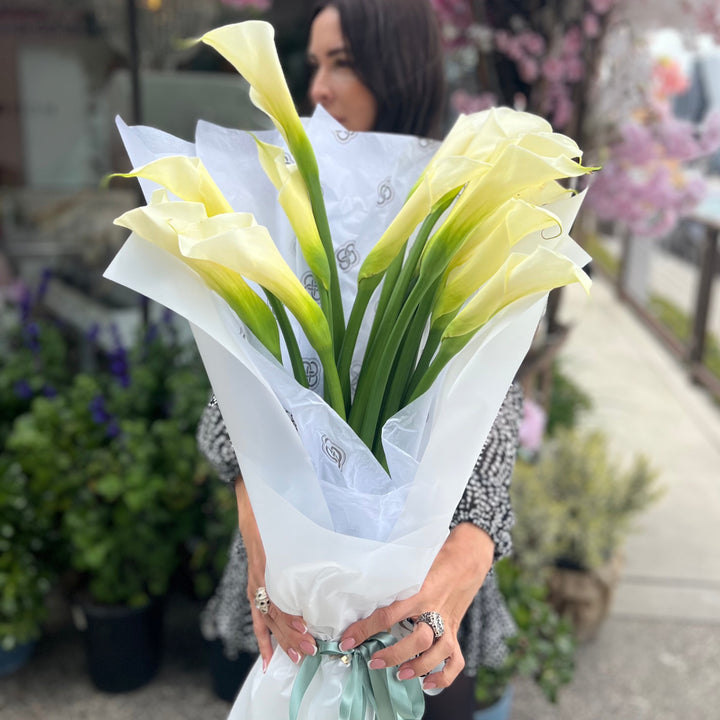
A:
[134, 58]
[702, 303]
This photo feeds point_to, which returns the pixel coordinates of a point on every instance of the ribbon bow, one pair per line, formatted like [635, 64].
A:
[392, 699]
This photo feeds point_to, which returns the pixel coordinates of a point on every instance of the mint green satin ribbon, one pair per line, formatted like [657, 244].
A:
[392, 699]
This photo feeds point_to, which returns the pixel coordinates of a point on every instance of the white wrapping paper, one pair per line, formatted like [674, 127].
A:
[341, 536]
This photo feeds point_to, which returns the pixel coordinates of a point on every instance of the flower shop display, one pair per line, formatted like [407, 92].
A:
[112, 461]
[349, 294]
[574, 509]
[543, 647]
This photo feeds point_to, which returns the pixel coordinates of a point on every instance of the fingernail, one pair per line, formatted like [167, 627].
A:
[300, 626]
[308, 648]
[294, 655]
[377, 664]
[347, 644]
[429, 685]
[265, 665]
[405, 674]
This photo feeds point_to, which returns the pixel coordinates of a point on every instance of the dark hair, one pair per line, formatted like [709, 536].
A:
[397, 54]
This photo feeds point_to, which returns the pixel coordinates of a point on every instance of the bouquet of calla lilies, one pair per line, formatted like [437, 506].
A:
[449, 260]
[362, 303]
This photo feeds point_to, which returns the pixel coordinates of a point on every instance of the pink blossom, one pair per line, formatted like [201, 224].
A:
[532, 426]
[573, 41]
[553, 69]
[591, 25]
[602, 6]
[709, 139]
[563, 112]
[466, 103]
[574, 69]
[532, 42]
[668, 78]
[528, 69]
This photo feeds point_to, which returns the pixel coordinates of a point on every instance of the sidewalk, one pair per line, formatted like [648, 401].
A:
[657, 655]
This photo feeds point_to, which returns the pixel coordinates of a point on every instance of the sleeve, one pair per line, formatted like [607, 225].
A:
[214, 443]
[486, 500]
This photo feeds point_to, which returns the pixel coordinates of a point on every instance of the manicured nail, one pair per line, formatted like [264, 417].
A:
[377, 664]
[308, 648]
[294, 655]
[405, 674]
[347, 644]
[265, 665]
[300, 626]
[429, 685]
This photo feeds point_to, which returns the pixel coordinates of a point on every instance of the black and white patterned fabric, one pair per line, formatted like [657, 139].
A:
[485, 503]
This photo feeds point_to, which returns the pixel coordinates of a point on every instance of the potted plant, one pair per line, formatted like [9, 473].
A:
[542, 649]
[574, 508]
[118, 450]
[25, 577]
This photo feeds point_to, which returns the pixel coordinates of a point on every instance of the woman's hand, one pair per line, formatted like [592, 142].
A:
[450, 586]
[289, 630]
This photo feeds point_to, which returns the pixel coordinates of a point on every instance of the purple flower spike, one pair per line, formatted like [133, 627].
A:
[23, 390]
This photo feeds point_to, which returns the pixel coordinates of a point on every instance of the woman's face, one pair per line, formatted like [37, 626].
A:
[335, 85]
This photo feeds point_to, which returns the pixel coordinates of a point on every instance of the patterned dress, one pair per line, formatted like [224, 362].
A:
[485, 502]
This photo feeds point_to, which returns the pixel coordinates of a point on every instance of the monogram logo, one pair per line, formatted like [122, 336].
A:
[344, 136]
[312, 370]
[333, 451]
[385, 192]
[289, 159]
[347, 256]
[308, 281]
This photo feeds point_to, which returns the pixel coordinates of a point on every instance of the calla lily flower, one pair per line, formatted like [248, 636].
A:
[250, 47]
[521, 276]
[238, 243]
[161, 221]
[487, 248]
[295, 201]
[185, 177]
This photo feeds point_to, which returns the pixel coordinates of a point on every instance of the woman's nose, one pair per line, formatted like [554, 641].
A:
[319, 88]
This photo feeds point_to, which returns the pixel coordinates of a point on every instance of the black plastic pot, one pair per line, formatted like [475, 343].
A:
[123, 645]
[227, 674]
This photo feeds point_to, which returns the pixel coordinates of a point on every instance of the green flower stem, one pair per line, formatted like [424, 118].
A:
[403, 368]
[332, 387]
[307, 164]
[365, 291]
[381, 366]
[391, 278]
[431, 345]
[296, 360]
[449, 348]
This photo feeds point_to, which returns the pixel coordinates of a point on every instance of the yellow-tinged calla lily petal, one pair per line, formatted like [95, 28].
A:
[520, 276]
[187, 178]
[250, 251]
[445, 177]
[295, 201]
[250, 47]
[160, 222]
[488, 248]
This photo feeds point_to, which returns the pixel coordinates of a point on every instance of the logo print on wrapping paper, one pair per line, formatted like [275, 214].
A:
[309, 283]
[347, 256]
[289, 159]
[333, 451]
[344, 136]
[312, 370]
[385, 192]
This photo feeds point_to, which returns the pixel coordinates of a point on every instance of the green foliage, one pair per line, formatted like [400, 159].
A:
[25, 577]
[567, 402]
[113, 460]
[543, 647]
[576, 503]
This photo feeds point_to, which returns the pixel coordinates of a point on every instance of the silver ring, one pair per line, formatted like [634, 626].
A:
[435, 621]
[262, 601]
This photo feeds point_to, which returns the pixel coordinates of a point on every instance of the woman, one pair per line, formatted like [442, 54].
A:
[377, 65]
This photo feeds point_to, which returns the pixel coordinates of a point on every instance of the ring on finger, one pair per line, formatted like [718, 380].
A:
[262, 601]
[435, 621]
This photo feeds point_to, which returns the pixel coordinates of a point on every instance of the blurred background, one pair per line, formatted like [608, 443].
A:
[105, 503]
